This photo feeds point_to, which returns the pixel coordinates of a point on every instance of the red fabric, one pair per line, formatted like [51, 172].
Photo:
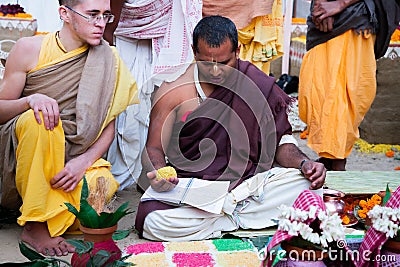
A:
[374, 239]
[109, 245]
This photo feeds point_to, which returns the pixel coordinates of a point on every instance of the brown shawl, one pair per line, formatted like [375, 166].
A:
[83, 86]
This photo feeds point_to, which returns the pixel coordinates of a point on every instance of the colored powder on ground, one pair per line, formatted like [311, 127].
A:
[231, 245]
[145, 248]
[193, 260]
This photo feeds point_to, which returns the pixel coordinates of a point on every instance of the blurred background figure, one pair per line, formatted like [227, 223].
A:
[154, 40]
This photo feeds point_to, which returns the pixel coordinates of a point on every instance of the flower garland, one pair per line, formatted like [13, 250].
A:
[385, 220]
[296, 222]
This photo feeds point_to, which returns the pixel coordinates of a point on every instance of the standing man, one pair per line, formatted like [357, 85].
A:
[59, 98]
[338, 73]
[224, 119]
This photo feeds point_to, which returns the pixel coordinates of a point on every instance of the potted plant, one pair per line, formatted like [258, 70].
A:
[98, 224]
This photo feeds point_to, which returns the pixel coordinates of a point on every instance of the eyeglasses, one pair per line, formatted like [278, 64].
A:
[94, 18]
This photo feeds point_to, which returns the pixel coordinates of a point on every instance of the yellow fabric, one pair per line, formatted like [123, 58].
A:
[51, 54]
[337, 87]
[40, 161]
[121, 98]
[262, 40]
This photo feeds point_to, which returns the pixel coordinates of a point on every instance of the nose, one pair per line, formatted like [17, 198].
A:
[216, 70]
[100, 21]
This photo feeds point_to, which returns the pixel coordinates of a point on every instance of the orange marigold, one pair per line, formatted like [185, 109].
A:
[303, 134]
[390, 154]
[346, 219]
[397, 168]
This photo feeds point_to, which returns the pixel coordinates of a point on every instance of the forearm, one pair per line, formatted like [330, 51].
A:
[289, 156]
[11, 108]
[153, 159]
[100, 146]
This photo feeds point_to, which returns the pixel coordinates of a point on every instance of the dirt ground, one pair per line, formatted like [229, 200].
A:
[9, 233]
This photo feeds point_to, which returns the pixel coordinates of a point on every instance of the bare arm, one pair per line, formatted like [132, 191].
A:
[162, 119]
[69, 177]
[290, 156]
[116, 7]
[23, 58]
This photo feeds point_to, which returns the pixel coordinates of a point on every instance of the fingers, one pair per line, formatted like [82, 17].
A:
[49, 109]
[315, 172]
[65, 181]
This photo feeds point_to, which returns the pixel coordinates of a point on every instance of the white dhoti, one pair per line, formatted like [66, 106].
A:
[252, 205]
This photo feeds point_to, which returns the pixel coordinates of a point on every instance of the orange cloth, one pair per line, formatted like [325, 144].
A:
[337, 87]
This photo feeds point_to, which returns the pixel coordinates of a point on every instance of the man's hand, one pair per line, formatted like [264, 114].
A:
[162, 185]
[326, 25]
[49, 108]
[315, 172]
[69, 177]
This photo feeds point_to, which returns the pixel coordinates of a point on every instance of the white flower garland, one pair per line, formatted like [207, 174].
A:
[385, 220]
[293, 221]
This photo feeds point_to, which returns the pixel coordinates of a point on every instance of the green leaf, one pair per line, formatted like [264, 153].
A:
[387, 195]
[81, 246]
[88, 216]
[101, 257]
[72, 209]
[120, 234]
[30, 254]
[85, 189]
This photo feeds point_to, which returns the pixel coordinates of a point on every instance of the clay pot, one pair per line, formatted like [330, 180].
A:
[97, 234]
[102, 239]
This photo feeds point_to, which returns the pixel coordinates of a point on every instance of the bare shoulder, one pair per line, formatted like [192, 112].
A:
[26, 51]
[178, 91]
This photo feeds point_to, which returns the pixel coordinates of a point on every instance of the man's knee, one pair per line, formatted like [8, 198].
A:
[27, 123]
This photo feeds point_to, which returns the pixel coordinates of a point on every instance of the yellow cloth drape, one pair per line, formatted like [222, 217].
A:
[262, 40]
[37, 162]
[337, 87]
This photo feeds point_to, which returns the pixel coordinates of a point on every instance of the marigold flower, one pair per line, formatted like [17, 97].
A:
[390, 154]
[362, 203]
[346, 219]
[303, 134]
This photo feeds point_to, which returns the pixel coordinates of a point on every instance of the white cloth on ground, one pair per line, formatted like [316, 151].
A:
[257, 210]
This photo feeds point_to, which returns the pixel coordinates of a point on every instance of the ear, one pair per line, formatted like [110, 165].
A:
[194, 51]
[237, 51]
[62, 11]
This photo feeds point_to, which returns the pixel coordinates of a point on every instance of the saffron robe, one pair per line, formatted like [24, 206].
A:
[245, 119]
[91, 86]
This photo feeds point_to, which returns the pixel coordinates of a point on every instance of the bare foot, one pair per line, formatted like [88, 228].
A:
[37, 235]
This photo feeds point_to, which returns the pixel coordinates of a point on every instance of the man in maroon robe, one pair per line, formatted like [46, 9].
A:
[224, 119]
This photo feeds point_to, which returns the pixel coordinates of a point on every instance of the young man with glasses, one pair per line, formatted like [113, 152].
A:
[58, 100]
